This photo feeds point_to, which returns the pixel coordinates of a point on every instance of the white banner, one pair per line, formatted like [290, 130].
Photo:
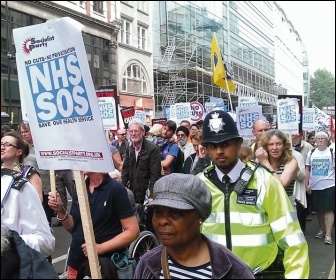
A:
[209, 106]
[57, 88]
[141, 115]
[245, 118]
[183, 112]
[247, 101]
[308, 119]
[322, 120]
[288, 115]
[197, 111]
[108, 112]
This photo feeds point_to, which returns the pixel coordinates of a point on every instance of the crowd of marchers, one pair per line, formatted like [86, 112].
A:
[220, 206]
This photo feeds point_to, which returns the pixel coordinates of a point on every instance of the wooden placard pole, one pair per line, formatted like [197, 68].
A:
[87, 224]
[52, 181]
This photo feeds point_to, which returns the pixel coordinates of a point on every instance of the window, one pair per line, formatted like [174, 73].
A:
[98, 54]
[98, 6]
[142, 5]
[142, 37]
[134, 80]
[126, 32]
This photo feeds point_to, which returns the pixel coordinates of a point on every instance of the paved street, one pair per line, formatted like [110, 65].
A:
[322, 257]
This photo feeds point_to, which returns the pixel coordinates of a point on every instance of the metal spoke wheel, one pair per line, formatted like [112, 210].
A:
[145, 242]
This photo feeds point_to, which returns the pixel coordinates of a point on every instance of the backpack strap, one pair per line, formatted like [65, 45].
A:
[12, 179]
[6, 184]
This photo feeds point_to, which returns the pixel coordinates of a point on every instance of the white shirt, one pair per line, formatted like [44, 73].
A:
[322, 169]
[23, 212]
[187, 149]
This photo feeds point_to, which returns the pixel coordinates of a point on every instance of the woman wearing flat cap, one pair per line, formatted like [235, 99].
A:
[181, 203]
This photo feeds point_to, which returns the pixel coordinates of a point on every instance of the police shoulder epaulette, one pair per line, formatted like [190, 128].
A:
[208, 169]
[267, 169]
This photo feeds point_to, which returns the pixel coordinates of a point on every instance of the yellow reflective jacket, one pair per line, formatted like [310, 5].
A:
[256, 222]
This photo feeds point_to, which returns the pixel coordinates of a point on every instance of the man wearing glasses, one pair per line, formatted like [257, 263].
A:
[142, 163]
[121, 143]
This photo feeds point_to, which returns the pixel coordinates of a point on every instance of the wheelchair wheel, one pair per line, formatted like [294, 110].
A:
[145, 242]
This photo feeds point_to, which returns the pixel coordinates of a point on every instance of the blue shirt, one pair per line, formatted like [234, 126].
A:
[108, 204]
[172, 150]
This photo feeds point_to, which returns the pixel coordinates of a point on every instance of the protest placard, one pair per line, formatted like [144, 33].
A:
[245, 118]
[247, 101]
[61, 104]
[107, 106]
[308, 119]
[127, 114]
[161, 121]
[62, 108]
[197, 111]
[288, 115]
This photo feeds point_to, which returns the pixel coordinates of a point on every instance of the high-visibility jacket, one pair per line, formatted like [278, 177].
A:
[256, 222]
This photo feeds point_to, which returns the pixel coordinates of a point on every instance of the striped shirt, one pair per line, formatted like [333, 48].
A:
[290, 188]
[178, 271]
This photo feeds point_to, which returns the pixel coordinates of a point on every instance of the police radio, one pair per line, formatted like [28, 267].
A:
[245, 177]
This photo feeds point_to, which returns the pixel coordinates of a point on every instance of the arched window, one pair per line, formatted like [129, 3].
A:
[134, 80]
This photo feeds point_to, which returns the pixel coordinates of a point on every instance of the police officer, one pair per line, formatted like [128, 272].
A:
[251, 213]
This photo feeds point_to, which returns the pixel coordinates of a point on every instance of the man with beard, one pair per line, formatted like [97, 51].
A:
[182, 134]
[251, 213]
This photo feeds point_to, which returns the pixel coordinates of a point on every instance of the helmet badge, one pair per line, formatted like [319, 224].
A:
[216, 124]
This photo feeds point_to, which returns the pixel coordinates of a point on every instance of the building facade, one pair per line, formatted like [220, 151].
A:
[158, 53]
[117, 41]
[259, 45]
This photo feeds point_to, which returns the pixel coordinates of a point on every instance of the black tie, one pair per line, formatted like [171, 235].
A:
[226, 180]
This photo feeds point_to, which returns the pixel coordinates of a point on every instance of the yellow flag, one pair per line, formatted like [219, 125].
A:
[220, 75]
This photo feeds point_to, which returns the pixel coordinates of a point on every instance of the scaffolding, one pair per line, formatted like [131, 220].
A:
[181, 76]
[182, 67]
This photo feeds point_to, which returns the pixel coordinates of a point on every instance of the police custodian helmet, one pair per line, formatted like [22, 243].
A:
[219, 127]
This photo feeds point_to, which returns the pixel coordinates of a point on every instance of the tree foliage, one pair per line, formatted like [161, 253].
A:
[322, 88]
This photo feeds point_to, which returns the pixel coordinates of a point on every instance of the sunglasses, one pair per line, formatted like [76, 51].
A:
[7, 144]
[123, 134]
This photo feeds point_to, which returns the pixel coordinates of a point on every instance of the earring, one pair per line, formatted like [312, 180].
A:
[200, 222]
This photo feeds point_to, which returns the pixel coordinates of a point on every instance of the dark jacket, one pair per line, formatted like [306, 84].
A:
[22, 262]
[189, 162]
[142, 173]
[224, 264]
[201, 164]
